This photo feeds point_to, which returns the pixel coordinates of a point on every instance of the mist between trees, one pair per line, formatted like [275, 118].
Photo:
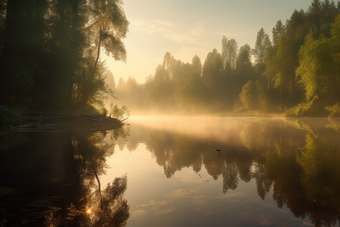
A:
[50, 61]
[296, 73]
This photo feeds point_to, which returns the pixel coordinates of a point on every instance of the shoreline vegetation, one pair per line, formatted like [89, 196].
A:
[16, 121]
[56, 122]
[294, 73]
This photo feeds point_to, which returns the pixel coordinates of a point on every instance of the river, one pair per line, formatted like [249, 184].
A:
[175, 171]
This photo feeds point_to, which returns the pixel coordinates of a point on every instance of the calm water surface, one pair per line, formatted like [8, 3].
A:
[165, 172]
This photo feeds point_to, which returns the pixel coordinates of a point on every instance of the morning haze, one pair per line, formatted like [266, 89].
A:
[169, 113]
[278, 70]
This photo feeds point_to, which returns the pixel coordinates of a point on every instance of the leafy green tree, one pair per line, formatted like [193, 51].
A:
[108, 26]
[262, 46]
[243, 61]
[119, 113]
[249, 95]
[189, 93]
[271, 59]
[313, 15]
[197, 66]
[318, 68]
[212, 70]
[161, 92]
[278, 31]
[286, 64]
[229, 53]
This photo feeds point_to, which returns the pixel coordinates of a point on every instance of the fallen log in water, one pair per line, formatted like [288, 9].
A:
[43, 121]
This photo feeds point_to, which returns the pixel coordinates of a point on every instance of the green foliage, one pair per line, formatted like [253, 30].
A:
[268, 99]
[249, 95]
[317, 67]
[262, 46]
[50, 56]
[313, 108]
[229, 53]
[189, 93]
[10, 117]
[334, 111]
[50, 51]
[119, 113]
[161, 92]
[278, 31]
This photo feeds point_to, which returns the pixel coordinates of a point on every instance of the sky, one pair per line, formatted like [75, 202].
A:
[186, 28]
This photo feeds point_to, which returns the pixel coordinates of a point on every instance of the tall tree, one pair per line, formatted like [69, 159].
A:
[319, 64]
[19, 41]
[314, 14]
[262, 46]
[243, 61]
[249, 95]
[107, 27]
[212, 68]
[278, 31]
[229, 53]
[197, 66]
[61, 58]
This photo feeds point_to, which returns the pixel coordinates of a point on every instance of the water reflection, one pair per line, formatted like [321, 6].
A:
[297, 159]
[59, 179]
[53, 180]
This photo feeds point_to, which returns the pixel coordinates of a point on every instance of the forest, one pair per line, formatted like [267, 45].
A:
[295, 74]
[50, 61]
[50, 53]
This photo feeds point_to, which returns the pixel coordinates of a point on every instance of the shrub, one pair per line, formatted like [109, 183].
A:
[10, 117]
[333, 110]
[312, 108]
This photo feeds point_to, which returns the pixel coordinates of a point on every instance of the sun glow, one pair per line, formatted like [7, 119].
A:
[89, 211]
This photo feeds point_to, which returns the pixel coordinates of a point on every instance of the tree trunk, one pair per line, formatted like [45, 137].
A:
[99, 188]
[98, 51]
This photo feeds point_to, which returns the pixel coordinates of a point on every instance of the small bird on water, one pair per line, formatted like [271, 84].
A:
[218, 151]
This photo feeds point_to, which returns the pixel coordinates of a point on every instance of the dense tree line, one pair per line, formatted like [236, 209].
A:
[297, 72]
[49, 51]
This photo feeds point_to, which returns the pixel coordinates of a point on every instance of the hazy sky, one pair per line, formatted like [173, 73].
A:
[186, 28]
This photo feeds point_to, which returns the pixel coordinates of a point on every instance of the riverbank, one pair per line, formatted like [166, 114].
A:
[57, 122]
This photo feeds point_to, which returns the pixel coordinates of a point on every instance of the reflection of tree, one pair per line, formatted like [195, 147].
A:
[108, 205]
[249, 136]
[213, 163]
[174, 151]
[91, 152]
[230, 178]
[54, 180]
[109, 209]
[260, 135]
[321, 172]
[307, 181]
[263, 182]
[243, 167]
[303, 126]
[335, 125]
